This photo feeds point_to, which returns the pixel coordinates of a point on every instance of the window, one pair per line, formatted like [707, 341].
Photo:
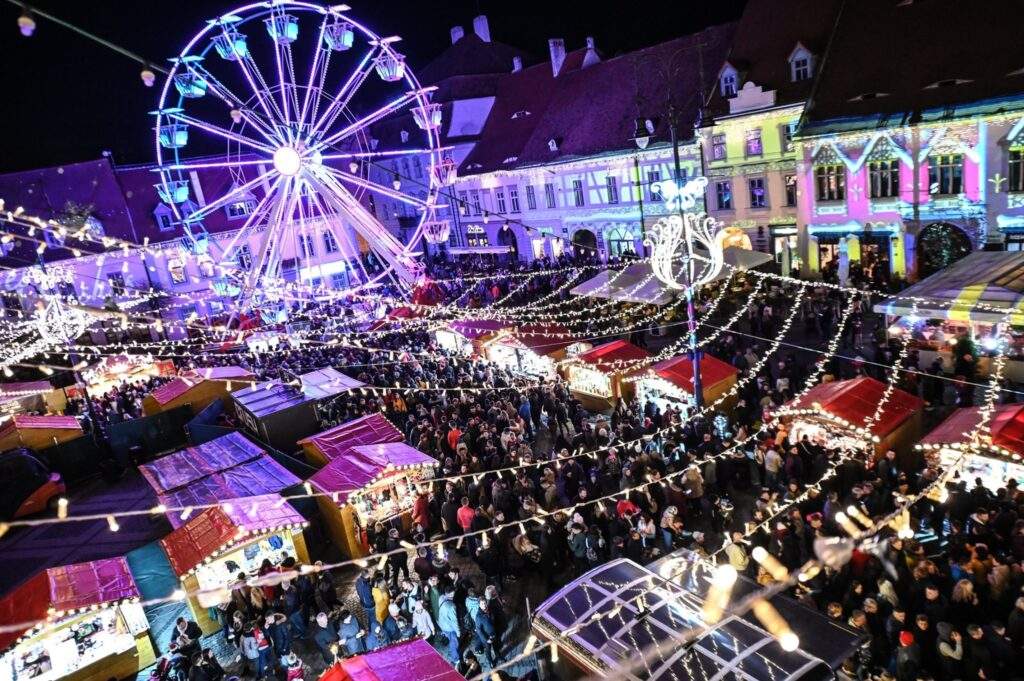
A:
[753, 144]
[801, 68]
[339, 279]
[723, 194]
[611, 184]
[463, 203]
[417, 165]
[244, 257]
[718, 150]
[787, 136]
[531, 198]
[474, 201]
[513, 198]
[164, 218]
[946, 174]
[67, 290]
[308, 247]
[240, 209]
[476, 236]
[330, 243]
[12, 301]
[1016, 170]
[728, 84]
[830, 182]
[206, 267]
[790, 190]
[499, 198]
[116, 281]
[176, 268]
[654, 185]
[577, 193]
[549, 195]
[758, 193]
[884, 178]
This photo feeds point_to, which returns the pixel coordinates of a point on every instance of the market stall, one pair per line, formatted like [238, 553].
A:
[669, 383]
[197, 389]
[282, 413]
[38, 432]
[370, 484]
[211, 549]
[372, 429]
[637, 616]
[532, 348]
[964, 302]
[837, 412]
[468, 336]
[115, 370]
[31, 396]
[996, 462]
[94, 625]
[598, 376]
[229, 467]
[414, 660]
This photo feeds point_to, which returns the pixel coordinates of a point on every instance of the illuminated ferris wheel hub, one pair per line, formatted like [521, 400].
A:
[280, 85]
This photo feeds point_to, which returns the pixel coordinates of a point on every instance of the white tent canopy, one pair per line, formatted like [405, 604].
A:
[635, 283]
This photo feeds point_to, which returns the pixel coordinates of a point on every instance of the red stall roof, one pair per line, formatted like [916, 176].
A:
[25, 421]
[253, 478]
[1007, 426]
[856, 400]
[414, 660]
[478, 328]
[63, 589]
[368, 430]
[193, 463]
[363, 464]
[215, 528]
[605, 357]
[679, 371]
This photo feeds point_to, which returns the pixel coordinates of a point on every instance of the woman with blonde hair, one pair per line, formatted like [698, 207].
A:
[963, 605]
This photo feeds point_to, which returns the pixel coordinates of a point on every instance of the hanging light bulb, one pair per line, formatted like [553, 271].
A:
[147, 75]
[397, 182]
[353, 167]
[236, 115]
[26, 24]
[7, 372]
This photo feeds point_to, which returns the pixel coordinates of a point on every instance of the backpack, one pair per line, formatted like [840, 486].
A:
[591, 552]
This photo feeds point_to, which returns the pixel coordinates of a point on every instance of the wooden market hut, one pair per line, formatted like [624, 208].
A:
[669, 383]
[413, 660]
[370, 483]
[100, 600]
[197, 389]
[845, 406]
[998, 460]
[597, 377]
[209, 550]
[468, 336]
[229, 467]
[532, 348]
[38, 432]
[27, 396]
[372, 429]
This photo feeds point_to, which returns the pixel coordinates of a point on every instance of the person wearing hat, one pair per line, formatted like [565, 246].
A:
[292, 667]
[908, 657]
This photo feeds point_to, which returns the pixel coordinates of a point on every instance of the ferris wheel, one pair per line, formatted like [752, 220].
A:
[282, 87]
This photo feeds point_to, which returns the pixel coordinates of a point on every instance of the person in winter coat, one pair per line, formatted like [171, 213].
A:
[325, 638]
[264, 651]
[381, 600]
[486, 636]
[351, 634]
[250, 652]
[448, 623]
[377, 638]
[279, 633]
[364, 589]
[422, 621]
[292, 667]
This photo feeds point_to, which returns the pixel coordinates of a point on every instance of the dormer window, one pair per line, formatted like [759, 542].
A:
[523, 113]
[405, 136]
[553, 144]
[801, 64]
[728, 84]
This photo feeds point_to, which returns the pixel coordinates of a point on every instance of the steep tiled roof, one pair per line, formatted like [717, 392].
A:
[766, 35]
[469, 56]
[590, 110]
[933, 59]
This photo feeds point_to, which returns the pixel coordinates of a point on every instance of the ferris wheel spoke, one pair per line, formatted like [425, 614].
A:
[329, 219]
[271, 237]
[222, 132]
[225, 94]
[367, 120]
[344, 94]
[243, 61]
[254, 217]
[378, 188]
[240, 190]
[318, 71]
[380, 154]
[293, 86]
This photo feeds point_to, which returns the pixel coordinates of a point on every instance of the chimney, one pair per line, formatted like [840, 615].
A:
[590, 57]
[482, 30]
[457, 34]
[517, 63]
[557, 47]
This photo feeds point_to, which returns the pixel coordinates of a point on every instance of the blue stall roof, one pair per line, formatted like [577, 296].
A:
[270, 397]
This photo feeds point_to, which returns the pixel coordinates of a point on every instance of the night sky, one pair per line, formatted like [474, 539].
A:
[67, 99]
